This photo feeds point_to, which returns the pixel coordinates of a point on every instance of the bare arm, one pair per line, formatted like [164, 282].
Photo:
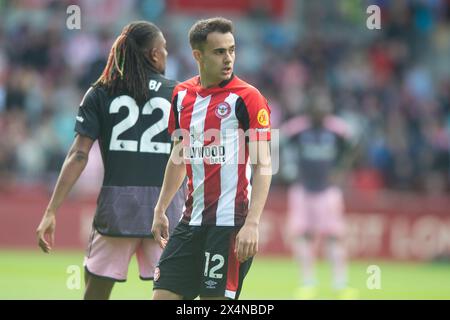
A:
[72, 168]
[173, 178]
[247, 238]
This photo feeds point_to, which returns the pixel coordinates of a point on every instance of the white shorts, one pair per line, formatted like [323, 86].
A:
[109, 257]
[320, 213]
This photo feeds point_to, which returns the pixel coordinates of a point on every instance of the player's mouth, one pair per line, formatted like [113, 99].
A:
[227, 71]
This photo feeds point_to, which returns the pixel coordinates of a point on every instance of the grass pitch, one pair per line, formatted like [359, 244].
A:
[35, 275]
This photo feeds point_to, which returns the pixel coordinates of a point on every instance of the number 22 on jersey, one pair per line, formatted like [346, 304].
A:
[145, 144]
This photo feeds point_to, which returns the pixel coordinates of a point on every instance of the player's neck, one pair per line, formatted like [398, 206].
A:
[208, 83]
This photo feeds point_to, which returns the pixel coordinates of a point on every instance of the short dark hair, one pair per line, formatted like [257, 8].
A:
[200, 30]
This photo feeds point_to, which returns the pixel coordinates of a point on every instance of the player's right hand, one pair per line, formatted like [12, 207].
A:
[46, 231]
[160, 228]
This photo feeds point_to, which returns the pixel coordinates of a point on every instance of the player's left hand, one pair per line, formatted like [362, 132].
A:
[246, 242]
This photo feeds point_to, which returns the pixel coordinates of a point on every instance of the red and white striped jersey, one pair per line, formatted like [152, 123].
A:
[214, 121]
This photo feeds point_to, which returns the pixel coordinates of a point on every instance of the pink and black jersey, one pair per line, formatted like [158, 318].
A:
[214, 121]
[319, 149]
[135, 147]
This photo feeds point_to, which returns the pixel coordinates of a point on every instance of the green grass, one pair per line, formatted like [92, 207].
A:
[34, 275]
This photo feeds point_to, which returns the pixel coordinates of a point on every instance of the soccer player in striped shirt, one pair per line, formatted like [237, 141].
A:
[212, 247]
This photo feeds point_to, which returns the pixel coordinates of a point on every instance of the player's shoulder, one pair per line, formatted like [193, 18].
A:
[337, 125]
[93, 95]
[295, 126]
[244, 89]
[161, 86]
[188, 84]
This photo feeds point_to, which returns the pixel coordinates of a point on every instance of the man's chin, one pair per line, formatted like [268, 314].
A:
[225, 77]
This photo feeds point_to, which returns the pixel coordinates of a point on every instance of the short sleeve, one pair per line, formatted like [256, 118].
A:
[88, 120]
[258, 116]
[173, 117]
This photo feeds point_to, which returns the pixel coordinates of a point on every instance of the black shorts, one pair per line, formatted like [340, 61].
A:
[200, 261]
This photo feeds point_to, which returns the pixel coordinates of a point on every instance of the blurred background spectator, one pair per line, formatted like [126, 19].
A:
[392, 85]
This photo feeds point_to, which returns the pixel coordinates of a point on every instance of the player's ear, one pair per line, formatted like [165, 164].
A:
[197, 54]
[153, 55]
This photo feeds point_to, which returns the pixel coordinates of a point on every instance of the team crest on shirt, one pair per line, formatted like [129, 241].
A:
[223, 110]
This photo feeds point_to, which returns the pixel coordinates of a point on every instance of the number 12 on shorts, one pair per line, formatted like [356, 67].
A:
[212, 273]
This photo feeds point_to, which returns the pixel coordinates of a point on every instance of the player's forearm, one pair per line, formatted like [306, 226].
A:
[72, 168]
[261, 185]
[173, 178]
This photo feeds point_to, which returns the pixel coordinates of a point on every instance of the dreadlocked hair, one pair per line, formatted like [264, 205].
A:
[128, 68]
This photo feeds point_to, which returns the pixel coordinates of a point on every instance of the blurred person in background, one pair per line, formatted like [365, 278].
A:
[319, 151]
[127, 110]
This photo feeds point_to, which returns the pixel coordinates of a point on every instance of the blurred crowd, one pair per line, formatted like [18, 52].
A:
[392, 86]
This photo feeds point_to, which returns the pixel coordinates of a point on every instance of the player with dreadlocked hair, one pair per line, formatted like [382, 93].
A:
[131, 61]
[127, 110]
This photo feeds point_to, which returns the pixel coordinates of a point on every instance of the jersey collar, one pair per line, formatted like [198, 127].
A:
[222, 84]
[225, 82]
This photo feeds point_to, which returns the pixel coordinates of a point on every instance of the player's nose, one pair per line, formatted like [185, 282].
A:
[228, 59]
